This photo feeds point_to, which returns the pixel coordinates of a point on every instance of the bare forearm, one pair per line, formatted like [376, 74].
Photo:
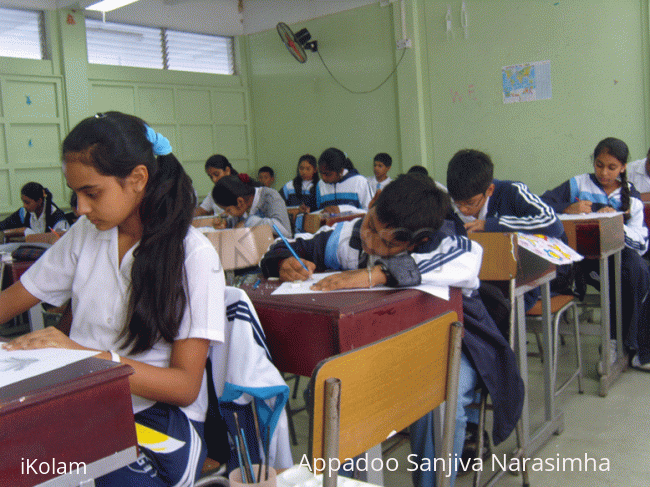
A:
[15, 300]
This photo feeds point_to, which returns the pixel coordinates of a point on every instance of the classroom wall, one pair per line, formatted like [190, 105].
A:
[299, 108]
[447, 93]
[200, 113]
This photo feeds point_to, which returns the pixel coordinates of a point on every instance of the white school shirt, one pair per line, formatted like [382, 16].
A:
[37, 224]
[637, 176]
[209, 205]
[375, 185]
[83, 265]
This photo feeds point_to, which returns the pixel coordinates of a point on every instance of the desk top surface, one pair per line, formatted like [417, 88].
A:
[60, 382]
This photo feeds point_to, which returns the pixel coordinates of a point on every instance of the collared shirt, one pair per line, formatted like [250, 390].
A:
[637, 175]
[83, 265]
[37, 224]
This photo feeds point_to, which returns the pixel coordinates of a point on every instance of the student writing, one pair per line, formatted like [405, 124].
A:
[301, 190]
[147, 289]
[39, 214]
[605, 190]
[249, 204]
[216, 167]
[340, 183]
[400, 242]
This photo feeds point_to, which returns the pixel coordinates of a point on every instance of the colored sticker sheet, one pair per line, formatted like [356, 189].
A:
[548, 248]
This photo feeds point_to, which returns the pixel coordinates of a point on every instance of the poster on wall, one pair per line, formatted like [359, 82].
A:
[526, 82]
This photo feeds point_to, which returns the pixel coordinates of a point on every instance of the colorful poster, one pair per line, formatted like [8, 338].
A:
[526, 82]
[548, 248]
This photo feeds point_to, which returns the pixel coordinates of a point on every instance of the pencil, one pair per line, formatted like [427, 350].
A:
[286, 242]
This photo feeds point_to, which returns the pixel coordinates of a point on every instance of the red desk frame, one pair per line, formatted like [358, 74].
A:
[301, 330]
[78, 413]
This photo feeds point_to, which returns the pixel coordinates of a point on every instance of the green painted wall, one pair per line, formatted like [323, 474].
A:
[599, 83]
[40, 101]
[299, 108]
[447, 94]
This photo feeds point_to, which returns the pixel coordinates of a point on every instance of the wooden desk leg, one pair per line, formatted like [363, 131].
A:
[611, 371]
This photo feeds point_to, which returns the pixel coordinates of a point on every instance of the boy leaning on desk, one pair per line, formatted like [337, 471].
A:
[404, 240]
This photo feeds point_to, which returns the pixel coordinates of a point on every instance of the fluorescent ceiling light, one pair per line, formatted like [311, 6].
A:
[108, 5]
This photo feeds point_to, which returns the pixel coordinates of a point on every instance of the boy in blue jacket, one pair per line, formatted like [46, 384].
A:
[404, 240]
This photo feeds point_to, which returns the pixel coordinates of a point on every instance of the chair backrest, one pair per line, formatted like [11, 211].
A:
[387, 385]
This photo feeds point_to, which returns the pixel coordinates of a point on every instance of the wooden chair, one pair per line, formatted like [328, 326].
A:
[360, 397]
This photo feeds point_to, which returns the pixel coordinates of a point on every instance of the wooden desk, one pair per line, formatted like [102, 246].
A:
[78, 413]
[598, 239]
[313, 221]
[505, 261]
[301, 330]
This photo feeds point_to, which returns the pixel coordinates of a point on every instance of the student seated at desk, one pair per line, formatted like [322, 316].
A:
[340, 184]
[486, 204]
[605, 190]
[399, 244]
[381, 164]
[216, 167]
[266, 176]
[39, 214]
[136, 204]
[639, 175]
[301, 190]
[250, 204]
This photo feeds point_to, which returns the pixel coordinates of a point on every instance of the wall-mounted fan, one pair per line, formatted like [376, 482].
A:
[298, 42]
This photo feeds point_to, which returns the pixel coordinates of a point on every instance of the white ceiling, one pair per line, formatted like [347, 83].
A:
[220, 17]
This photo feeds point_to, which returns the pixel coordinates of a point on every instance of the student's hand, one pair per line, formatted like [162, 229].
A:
[240, 224]
[475, 226]
[303, 208]
[578, 207]
[49, 337]
[606, 209]
[351, 280]
[219, 223]
[332, 210]
[291, 270]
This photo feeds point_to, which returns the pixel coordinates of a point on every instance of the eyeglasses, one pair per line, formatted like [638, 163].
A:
[473, 203]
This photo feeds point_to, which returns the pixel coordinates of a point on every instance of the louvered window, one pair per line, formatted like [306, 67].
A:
[145, 47]
[186, 51]
[123, 44]
[21, 33]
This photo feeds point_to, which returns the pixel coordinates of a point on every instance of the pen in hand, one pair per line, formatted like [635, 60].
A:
[286, 242]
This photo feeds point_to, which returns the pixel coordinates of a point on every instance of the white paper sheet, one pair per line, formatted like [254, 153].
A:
[303, 287]
[588, 216]
[17, 365]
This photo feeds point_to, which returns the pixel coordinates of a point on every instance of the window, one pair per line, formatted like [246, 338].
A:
[21, 33]
[146, 47]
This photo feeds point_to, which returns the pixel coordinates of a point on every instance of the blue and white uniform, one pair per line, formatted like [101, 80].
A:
[635, 278]
[513, 208]
[444, 260]
[288, 193]
[84, 266]
[352, 190]
[586, 187]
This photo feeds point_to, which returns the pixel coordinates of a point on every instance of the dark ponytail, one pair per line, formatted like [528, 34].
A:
[114, 144]
[335, 160]
[619, 150]
[229, 188]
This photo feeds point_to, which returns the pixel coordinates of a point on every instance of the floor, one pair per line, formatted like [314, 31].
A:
[609, 436]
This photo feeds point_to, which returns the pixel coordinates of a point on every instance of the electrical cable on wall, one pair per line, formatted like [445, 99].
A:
[366, 91]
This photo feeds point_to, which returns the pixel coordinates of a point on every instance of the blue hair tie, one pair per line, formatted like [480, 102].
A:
[160, 143]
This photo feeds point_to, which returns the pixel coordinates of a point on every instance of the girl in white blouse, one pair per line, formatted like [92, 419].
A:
[147, 289]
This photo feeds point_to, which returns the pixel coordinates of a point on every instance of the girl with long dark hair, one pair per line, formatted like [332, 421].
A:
[147, 288]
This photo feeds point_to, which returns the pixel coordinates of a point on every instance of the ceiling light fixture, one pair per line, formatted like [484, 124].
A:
[106, 5]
